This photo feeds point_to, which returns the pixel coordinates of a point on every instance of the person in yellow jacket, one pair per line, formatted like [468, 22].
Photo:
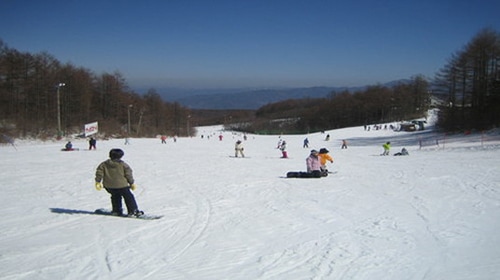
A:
[387, 148]
[324, 157]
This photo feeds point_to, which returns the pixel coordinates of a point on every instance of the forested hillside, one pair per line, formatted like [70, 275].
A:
[468, 86]
[470, 83]
[376, 104]
[42, 97]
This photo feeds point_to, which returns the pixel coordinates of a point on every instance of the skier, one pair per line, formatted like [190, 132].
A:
[164, 139]
[238, 149]
[387, 148]
[116, 177]
[92, 143]
[282, 148]
[344, 144]
[306, 143]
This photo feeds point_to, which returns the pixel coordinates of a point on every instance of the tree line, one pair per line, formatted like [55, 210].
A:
[468, 87]
[29, 101]
[470, 84]
[373, 105]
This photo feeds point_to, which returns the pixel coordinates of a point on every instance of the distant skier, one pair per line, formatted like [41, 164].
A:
[116, 177]
[306, 143]
[92, 143]
[387, 148]
[344, 144]
[282, 148]
[238, 149]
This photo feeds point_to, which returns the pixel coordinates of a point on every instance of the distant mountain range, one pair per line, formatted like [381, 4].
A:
[248, 99]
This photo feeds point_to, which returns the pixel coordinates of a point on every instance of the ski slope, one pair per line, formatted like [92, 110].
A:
[431, 215]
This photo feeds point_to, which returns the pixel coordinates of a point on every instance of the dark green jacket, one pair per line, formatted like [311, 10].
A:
[114, 174]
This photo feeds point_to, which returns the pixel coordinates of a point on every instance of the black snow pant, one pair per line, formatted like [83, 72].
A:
[314, 174]
[116, 200]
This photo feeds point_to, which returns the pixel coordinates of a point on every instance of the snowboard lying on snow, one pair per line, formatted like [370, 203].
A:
[301, 174]
[106, 212]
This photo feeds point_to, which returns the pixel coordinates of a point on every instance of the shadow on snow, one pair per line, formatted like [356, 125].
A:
[70, 211]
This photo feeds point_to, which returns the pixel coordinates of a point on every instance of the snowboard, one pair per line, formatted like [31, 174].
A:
[106, 212]
[301, 174]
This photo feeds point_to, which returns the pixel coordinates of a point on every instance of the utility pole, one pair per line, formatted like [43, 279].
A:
[128, 127]
[59, 131]
[140, 120]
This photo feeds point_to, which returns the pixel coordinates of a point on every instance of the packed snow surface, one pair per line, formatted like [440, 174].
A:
[434, 214]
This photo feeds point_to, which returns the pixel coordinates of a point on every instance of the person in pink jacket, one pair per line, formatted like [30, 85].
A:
[313, 164]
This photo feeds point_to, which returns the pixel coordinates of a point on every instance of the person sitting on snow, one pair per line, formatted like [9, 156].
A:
[403, 152]
[323, 158]
[68, 146]
[313, 164]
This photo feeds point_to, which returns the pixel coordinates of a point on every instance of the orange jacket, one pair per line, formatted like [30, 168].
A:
[323, 158]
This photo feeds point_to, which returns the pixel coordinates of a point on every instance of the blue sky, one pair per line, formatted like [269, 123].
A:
[253, 43]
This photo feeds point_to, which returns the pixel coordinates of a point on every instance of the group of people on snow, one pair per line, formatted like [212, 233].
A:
[316, 161]
[315, 165]
[387, 149]
[115, 176]
[69, 145]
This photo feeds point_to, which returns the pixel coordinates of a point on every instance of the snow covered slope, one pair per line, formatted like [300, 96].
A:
[431, 215]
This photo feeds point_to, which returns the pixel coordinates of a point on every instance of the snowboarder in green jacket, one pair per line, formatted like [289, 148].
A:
[387, 148]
